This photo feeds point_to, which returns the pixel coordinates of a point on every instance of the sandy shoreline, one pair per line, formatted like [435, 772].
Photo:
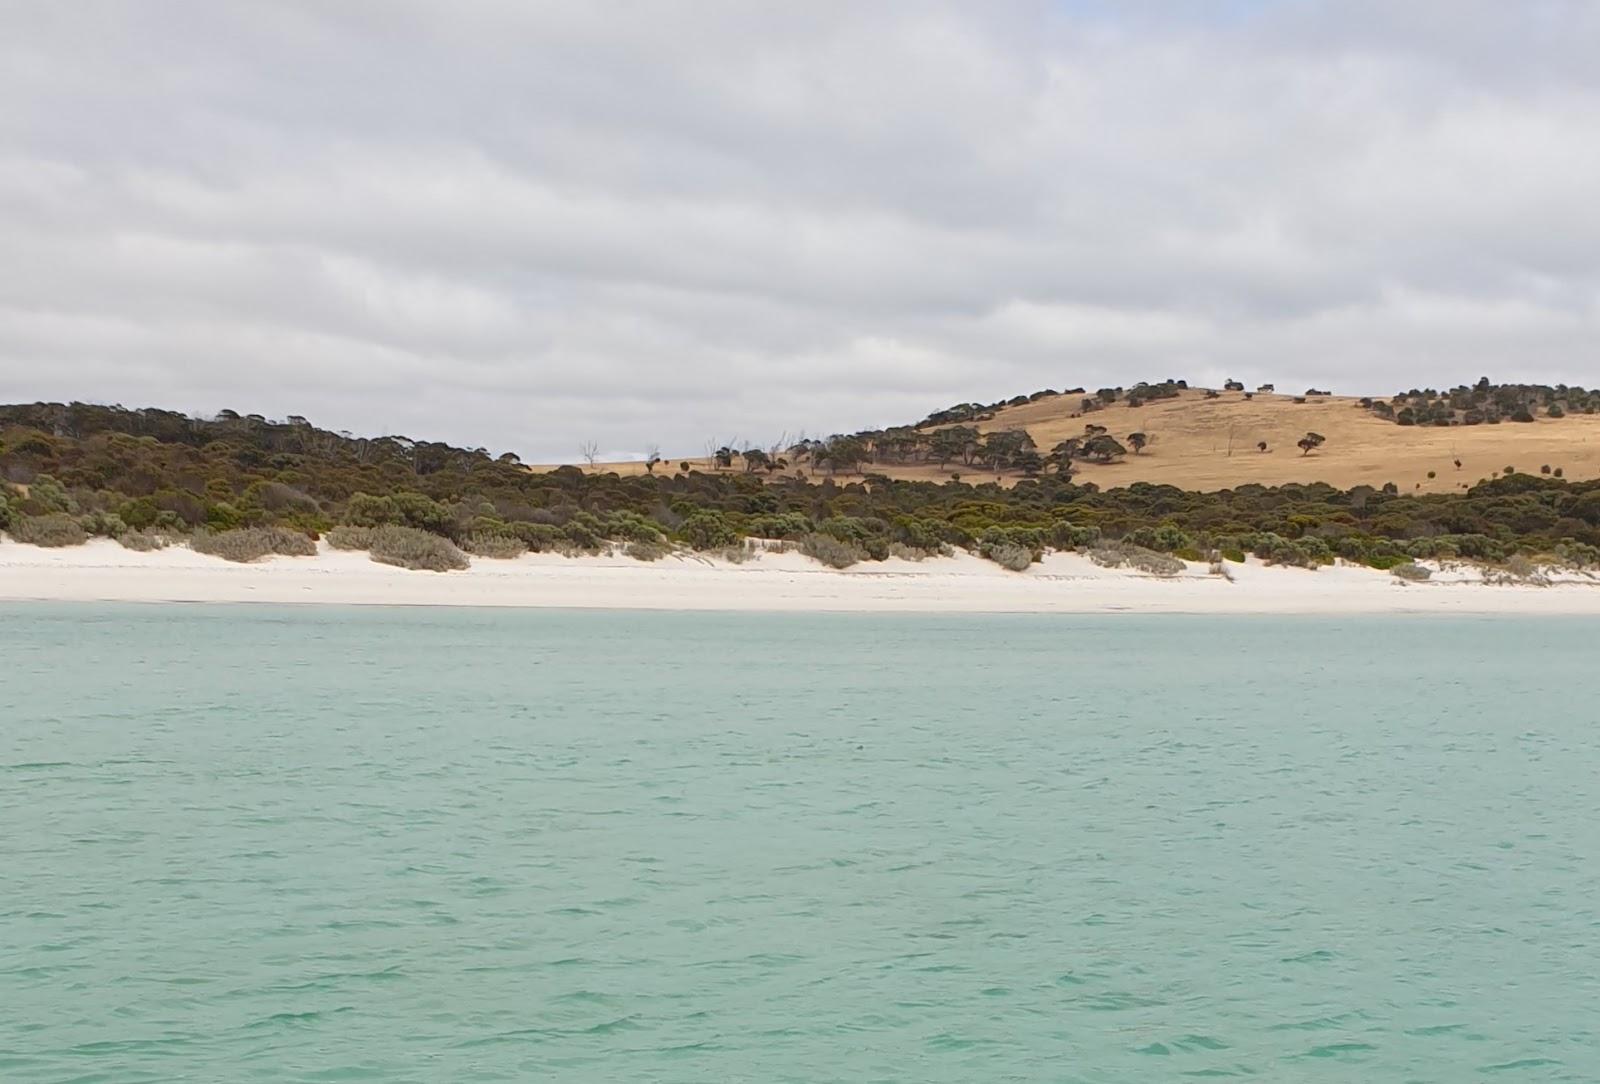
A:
[1063, 583]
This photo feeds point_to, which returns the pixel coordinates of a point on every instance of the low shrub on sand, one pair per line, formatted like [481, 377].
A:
[408, 547]
[497, 546]
[146, 540]
[646, 551]
[246, 544]
[1123, 555]
[1007, 555]
[1411, 571]
[51, 529]
[345, 537]
[831, 551]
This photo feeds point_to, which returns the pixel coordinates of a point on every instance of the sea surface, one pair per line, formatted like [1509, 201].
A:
[317, 844]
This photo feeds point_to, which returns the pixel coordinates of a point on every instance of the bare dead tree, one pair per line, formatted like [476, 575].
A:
[590, 451]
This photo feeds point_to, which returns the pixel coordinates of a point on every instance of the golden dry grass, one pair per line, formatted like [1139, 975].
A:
[1209, 444]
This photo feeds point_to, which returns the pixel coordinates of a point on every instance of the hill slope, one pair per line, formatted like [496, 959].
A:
[1207, 444]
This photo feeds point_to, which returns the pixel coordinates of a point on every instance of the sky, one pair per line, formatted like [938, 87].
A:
[532, 224]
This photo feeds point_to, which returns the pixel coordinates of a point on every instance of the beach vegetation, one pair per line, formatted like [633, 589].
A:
[414, 548]
[246, 544]
[112, 471]
[51, 529]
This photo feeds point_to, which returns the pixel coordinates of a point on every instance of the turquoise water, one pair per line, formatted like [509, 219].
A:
[426, 845]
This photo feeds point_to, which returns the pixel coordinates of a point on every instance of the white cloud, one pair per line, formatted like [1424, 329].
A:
[530, 225]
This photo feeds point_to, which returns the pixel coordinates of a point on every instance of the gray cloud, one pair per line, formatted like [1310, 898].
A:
[530, 225]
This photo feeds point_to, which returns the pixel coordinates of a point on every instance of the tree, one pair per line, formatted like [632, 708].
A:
[652, 456]
[1103, 448]
[755, 459]
[1137, 441]
[1261, 445]
[1309, 442]
[590, 452]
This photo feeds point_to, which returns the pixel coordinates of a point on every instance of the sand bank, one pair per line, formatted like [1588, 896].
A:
[1063, 583]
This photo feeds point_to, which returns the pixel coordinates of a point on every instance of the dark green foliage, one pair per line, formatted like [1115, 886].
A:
[1483, 403]
[707, 531]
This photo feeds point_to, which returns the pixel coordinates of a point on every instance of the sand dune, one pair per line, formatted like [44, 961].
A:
[1063, 583]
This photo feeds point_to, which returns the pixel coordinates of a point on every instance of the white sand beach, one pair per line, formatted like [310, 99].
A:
[102, 570]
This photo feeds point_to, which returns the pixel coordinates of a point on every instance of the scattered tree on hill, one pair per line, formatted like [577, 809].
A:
[652, 456]
[1137, 441]
[1261, 445]
[1103, 448]
[590, 451]
[1309, 442]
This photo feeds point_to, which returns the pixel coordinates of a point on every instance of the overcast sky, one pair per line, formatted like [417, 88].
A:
[529, 224]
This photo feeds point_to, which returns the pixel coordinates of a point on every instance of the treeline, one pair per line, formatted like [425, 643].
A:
[1484, 403]
[86, 470]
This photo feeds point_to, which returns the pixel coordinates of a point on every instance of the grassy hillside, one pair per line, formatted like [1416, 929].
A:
[1208, 444]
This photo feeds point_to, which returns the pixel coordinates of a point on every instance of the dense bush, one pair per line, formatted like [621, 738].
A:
[409, 547]
[707, 531]
[246, 544]
[1411, 571]
[50, 529]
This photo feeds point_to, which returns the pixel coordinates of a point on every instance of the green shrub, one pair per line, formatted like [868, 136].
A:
[831, 551]
[410, 547]
[51, 529]
[48, 495]
[539, 537]
[780, 525]
[1386, 562]
[707, 531]
[246, 544]
[139, 514]
[423, 512]
[580, 536]
[5, 509]
[630, 527]
[496, 546]
[103, 524]
[1234, 554]
[365, 510]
